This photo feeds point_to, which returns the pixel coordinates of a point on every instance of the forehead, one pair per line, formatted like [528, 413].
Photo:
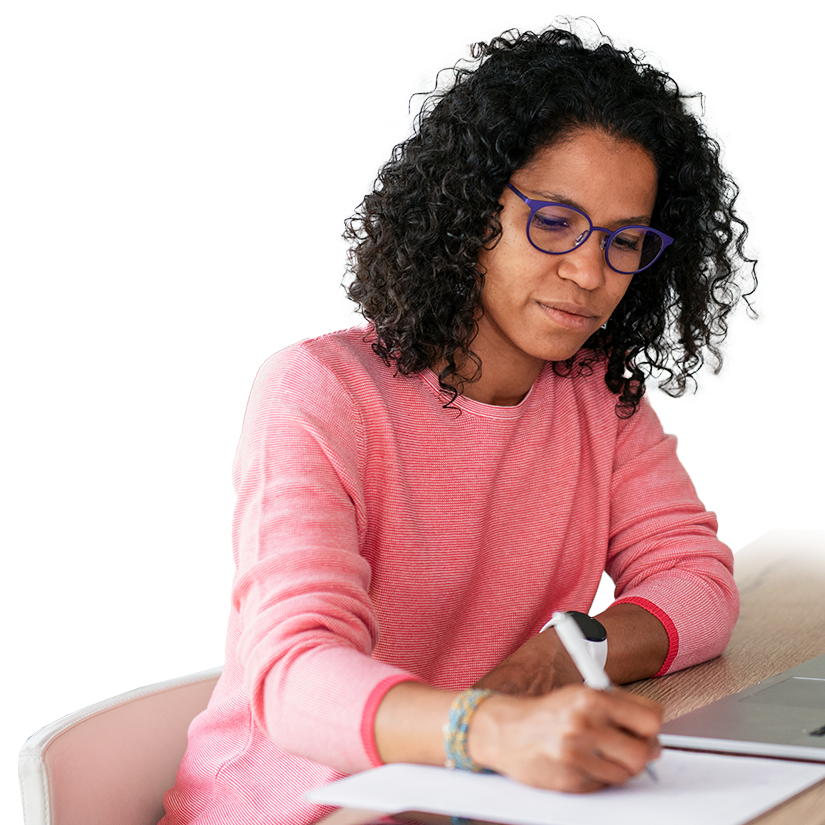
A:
[610, 179]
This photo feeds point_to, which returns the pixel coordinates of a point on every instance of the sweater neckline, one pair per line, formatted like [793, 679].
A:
[478, 408]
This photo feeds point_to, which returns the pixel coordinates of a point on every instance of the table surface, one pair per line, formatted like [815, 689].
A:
[781, 580]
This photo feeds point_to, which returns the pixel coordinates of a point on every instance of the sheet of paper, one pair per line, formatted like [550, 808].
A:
[693, 787]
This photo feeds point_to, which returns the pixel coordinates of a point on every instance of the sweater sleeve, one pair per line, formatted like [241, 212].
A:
[302, 587]
[663, 553]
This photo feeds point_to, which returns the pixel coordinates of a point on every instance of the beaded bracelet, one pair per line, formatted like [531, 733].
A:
[455, 730]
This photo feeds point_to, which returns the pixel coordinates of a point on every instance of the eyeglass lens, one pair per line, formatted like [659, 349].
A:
[559, 229]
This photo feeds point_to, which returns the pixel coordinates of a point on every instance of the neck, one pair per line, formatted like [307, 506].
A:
[498, 393]
[502, 385]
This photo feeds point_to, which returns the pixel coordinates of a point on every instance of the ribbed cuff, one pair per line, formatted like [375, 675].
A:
[371, 708]
[672, 633]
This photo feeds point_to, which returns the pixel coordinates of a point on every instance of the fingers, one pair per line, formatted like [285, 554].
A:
[607, 737]
[617, 756]
[637, 715]
[574, 739]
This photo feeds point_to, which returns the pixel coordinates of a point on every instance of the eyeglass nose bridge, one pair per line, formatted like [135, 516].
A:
[603, 243]
[581, 239]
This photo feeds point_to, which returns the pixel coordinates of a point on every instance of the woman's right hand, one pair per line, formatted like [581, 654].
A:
[574, 739]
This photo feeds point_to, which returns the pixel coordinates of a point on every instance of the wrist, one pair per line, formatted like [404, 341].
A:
[485, 735]
[409, 721]
[456, 728]
[640, 643]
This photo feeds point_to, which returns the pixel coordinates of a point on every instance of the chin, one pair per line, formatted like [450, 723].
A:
[564, 353]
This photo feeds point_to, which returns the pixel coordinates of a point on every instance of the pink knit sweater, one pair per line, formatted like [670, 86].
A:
[379, 537]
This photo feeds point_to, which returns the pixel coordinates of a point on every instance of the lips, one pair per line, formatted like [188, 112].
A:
[568, 315]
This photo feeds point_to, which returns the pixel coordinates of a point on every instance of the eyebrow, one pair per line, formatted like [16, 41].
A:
[555, 197]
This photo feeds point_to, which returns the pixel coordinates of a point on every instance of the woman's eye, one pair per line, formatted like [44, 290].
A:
[628, 241]
[550, 223]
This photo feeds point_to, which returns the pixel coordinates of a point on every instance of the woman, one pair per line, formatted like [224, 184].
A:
[417, 496]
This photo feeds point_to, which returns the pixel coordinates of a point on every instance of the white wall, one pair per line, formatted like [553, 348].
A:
[167, 574]
[168, 140]
[187, 126]
[745, 509]
[791, 134]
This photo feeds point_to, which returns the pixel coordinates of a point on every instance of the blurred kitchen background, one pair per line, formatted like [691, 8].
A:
[183, 180]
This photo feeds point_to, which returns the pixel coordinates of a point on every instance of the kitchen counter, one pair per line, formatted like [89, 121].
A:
[752, 463]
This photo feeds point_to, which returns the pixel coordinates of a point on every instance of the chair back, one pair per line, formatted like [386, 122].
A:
[112, 762]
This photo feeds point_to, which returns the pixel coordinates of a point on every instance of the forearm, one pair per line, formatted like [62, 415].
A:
[698, 604]
[409, 721]
[637, 643]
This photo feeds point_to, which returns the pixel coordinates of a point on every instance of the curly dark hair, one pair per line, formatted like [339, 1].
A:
[416, 238]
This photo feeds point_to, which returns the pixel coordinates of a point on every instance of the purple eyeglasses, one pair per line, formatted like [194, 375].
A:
[556, 229]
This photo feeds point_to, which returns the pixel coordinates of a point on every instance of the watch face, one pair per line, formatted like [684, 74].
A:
[592, 629]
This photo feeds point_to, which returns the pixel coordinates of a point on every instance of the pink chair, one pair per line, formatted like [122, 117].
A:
[111, 763]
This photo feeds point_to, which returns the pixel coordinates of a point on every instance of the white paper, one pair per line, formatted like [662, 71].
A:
[706, 788]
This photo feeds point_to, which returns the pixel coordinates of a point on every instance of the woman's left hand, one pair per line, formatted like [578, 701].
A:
[638, 647]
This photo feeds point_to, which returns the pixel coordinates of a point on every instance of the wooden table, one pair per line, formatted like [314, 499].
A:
[781, 580]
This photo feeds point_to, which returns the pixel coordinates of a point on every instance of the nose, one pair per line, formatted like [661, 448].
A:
[585, 265]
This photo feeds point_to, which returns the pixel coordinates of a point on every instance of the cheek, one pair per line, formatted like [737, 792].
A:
[512, 263]
[618, 292]
[492, 264]
[493, 297]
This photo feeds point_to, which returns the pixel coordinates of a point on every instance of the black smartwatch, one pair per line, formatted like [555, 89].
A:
[593, 631]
